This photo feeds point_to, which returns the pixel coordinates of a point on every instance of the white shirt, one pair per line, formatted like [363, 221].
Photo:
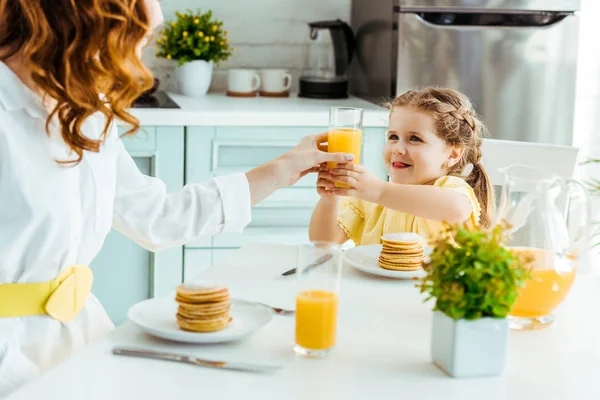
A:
[54, 216]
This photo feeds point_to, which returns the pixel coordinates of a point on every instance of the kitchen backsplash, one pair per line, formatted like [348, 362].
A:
[265, 33]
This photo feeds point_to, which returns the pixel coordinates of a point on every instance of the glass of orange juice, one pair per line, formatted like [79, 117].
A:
[345, 133]
[552, 276]
[319, 275]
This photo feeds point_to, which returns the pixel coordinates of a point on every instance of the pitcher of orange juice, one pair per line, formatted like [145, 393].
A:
[550, 224]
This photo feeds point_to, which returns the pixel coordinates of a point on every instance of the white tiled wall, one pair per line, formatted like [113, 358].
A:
[265, 33]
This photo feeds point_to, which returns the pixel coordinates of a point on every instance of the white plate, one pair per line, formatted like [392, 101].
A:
[157, 317]
[365, 258]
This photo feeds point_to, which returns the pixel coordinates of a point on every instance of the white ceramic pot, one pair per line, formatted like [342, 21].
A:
[469, 348]
[194, 77]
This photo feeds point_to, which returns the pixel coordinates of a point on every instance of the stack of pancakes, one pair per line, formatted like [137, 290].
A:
[202, 307]
[401, 252]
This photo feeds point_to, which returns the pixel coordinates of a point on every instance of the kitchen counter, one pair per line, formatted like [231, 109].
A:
[220, 110]
[383, 349]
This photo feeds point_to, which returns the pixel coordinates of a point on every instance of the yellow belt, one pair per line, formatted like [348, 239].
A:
[61, 298]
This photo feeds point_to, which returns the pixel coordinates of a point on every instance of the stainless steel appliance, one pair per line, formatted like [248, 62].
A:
[325, 75]
[515, 59]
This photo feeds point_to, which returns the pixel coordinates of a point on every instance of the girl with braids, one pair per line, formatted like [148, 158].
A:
[68, 70]
[434, 140]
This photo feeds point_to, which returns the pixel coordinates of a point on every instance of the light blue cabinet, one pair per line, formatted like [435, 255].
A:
[284, 216]
[125, 273]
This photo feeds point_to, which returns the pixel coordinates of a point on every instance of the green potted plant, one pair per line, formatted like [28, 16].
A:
[197, 41]
[474, 281]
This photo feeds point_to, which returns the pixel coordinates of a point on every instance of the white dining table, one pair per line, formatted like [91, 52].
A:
[382, 351]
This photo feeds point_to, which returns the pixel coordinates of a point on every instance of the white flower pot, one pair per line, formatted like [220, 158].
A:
[465, 348]
[194, 77]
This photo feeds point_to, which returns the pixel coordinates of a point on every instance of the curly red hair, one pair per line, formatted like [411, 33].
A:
[82, 54]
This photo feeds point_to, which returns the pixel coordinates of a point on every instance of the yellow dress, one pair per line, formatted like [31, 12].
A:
[366, 222]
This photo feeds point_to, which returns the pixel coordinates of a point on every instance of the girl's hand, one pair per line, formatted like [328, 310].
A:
[361, 183]
[324, 185]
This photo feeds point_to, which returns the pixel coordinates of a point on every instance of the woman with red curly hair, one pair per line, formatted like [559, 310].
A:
[68, 70]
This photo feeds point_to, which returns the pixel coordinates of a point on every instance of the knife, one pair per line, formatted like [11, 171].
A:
[319, 261]
[182, 358]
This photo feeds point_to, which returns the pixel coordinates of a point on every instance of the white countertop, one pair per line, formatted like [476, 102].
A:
[220, 110]
[383, 350]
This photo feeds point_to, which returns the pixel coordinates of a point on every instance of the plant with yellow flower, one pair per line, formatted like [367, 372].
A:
[194, 36]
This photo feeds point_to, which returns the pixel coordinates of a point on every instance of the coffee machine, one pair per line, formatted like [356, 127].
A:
[325, 75]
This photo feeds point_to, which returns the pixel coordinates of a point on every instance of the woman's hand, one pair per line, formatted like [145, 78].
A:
[361, 183]
[307, 157]
[287, 169]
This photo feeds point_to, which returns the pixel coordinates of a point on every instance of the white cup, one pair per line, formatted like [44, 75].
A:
[241, 80]
[275, 80]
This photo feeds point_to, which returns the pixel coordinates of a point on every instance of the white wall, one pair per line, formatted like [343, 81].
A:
[587, 113]
[587, 123]
[265, 33]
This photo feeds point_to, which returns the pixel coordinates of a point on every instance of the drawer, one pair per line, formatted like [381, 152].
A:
[222, 151]
[240, 149]
[287, 133]
[234, 156]
[247, 153]
[307, 181]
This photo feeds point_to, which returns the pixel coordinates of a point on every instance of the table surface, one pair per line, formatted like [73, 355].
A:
[383, 349]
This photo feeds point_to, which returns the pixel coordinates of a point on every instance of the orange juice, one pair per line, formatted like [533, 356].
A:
[546, 288]
[316, 319]
[344, 140]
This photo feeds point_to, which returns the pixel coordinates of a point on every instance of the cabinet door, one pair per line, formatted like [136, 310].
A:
[125, 273]
[215, 151]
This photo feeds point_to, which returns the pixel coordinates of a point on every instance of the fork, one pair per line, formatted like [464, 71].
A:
[279, 311]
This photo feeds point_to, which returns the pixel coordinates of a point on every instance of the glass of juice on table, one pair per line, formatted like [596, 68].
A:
[345, 133]
[318, 272]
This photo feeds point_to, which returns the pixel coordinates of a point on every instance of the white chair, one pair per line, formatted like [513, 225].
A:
[560, 160]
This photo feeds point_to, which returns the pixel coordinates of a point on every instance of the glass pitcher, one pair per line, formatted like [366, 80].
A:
[550, 224]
